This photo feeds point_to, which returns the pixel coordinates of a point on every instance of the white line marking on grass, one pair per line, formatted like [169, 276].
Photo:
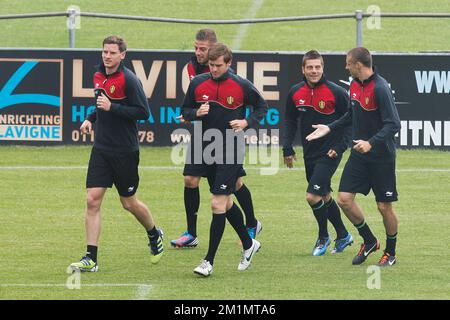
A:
[251, 13]
[146, 287]
[142, 291]
[180, 168]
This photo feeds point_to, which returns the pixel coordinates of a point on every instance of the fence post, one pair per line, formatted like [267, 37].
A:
[71, 12]
[359, 27]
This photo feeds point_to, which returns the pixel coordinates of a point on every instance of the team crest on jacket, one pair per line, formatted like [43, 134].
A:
[112, 89]
[230, 100]
[366, 100]
[321, 104]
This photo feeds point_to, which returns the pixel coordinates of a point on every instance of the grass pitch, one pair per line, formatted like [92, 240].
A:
[42, 232]
[391, 34]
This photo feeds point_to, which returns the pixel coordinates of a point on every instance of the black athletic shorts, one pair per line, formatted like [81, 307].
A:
[200, 170]
[222, 177]
[319, 173]
[120, 169]
[359, 176]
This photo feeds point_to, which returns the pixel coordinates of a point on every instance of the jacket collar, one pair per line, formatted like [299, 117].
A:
[197, 66]
[101, 68]
[374, 74]
[223, 77]
[320, 82]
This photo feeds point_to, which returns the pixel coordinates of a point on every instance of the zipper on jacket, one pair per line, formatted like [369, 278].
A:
[217, 92]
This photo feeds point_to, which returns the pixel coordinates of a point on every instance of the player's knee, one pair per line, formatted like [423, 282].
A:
[191, 181]
[239, 184]
[218, 205]
[92, 202]
[385, 208]
[312, 198]
[344, 202]
[128, 204]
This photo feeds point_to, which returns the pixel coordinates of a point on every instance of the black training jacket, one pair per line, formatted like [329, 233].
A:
[228, 97]
[321, 104]
[116, 130]
[373, 117]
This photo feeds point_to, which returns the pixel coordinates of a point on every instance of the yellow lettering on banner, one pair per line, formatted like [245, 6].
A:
[241, 69]
[171, 79]
[185, 79]
[149, 82]
[77, 81]
[259, 80]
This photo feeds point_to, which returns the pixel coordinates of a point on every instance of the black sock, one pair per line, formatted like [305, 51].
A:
[334, 215]
[320, 212]
[91, 252]
[365, 233]
[153, 234]
[191, 205]
[234, 216]
[391, 242]
[215, 235]
[244, 197]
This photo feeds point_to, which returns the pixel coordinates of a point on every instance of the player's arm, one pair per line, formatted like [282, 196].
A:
[86, 126]
[322, 130]
[388, 112]
[342, 107]
[290, 130]
[188, 108]
[253, 98]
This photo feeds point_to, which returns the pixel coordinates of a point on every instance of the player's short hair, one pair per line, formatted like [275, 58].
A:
[361, 54]
[116, 40]
[206, 35]
[220, 49]
[312, 55]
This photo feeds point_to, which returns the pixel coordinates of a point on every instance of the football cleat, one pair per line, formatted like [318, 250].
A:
[364, 252]
[247, 255]
[204, 269]
[321, 246]
[186, 240]
[252, 232]
[85, 264]
[342, 243]
[387, 260]
[156, 247]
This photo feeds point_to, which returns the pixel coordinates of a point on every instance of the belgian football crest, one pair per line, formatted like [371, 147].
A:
[366, 100]
[321, 104]
[112, 89]
[230, 100]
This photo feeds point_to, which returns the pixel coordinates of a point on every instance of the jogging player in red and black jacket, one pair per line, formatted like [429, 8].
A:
[120, 101]
[218, 100]
[192, 172]
[318, 100]
[371, 165]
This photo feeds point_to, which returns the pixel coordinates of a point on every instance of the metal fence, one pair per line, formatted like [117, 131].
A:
[73, 14]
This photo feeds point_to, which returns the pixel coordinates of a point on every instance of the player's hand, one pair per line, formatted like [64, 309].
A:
[238, 125]
[362, 146]
[332, 153]
[203, 110]
[103, 102]
[289, 161]
[321, 130]
[181, 118]
[86, 127]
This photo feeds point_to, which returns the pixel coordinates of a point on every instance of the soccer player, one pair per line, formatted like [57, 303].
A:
[371, 165]
[318, 100]
[192, 172]
[120, 101]
[217, 100]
